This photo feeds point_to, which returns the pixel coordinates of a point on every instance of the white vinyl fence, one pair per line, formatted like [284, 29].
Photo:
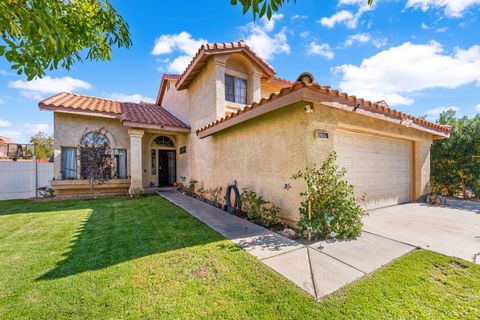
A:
[17, 178]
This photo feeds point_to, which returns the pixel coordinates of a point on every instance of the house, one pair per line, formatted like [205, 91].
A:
[227, 117]
[4, 142]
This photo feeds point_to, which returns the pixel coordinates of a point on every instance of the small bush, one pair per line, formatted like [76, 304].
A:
[215, 195]
[190, 190]
[329, 208]
[258, 209]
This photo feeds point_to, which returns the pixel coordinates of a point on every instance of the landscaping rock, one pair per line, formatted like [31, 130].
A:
[288, 232]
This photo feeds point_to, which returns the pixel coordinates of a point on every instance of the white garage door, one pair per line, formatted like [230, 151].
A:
[377, 166]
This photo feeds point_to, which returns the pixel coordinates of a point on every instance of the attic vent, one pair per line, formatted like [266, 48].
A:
[305, 78]
[321, 134]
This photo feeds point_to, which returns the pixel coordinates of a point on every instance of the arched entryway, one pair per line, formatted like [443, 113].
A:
[163, 160]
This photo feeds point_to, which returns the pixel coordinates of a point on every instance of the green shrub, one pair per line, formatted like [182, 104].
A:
[329, 208]
[258, 209]
[190, 190]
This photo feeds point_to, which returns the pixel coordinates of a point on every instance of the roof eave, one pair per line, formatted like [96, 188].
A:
[132, 124]
[310, 95]
[60, 109]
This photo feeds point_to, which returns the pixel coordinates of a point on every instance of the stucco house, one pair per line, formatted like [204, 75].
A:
[4, 142]
[227, 117]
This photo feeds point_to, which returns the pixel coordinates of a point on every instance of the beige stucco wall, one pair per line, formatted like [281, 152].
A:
[70, 128]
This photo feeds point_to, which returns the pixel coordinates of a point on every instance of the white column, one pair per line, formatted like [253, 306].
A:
[136, 169]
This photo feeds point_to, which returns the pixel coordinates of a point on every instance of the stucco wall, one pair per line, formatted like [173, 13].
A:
[70, 128]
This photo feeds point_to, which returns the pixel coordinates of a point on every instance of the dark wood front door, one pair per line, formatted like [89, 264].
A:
[166, 167]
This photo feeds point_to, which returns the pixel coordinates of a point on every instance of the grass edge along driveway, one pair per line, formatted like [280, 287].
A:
[145, 258]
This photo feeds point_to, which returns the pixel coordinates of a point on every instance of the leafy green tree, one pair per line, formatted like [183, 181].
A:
[265, 7]
[455, 161]
[40, 35]
[43, 145]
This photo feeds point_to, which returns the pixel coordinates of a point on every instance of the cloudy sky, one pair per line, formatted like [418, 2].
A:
[421, 56]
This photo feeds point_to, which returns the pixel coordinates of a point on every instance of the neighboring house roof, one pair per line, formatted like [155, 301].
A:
[209, 49]
[5, 140]
[300, 91]
[130, 114]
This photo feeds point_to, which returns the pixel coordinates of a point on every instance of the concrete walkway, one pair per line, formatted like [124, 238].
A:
[318, 269]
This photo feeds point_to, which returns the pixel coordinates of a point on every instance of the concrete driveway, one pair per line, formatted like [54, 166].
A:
[452, 230]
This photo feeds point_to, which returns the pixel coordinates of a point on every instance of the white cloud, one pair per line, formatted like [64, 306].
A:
[425, 26]
[13, 135]
[346, 16]
[129, 97]
[37, 88]
[260, 37]
[452, 8]
[477, 107]
[298, 17]
[182, 43]
[394, 73]
[25, 131]
[338, 17]
[34, 128]
[320, 49]
[5, 123]
[3, 72]
[432, 114]
[362, 38]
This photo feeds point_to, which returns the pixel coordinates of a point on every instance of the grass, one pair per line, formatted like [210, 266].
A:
[145, 258]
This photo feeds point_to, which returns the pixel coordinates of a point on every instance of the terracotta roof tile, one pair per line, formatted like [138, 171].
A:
[208, 49]
[150, 114]
[343, 97]
[136, 113]
[78, 102]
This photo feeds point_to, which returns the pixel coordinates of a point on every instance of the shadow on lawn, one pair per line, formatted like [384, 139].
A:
[121, 230]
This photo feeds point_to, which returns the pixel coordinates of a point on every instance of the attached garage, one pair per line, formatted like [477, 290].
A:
[378, 166]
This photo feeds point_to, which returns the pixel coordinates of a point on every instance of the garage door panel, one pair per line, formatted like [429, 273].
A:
[377, 166]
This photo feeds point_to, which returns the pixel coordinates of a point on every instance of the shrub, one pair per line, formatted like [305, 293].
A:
[215, 195]
[46, 192]
[329, 208]
[190, 190]
[258, 209]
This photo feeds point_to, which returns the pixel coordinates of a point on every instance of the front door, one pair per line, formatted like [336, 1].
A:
[166, 167]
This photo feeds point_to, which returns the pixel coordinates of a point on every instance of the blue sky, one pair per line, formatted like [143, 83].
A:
[421, 56]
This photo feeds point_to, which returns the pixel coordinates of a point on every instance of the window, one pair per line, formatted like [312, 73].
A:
[69, 163]
[235, 89]
[95, 156]
[163, 141]
[121, 163]
[153, 160]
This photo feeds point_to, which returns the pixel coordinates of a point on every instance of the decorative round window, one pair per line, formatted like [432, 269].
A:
[163, 141]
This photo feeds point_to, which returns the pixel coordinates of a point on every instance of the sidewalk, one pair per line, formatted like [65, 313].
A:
[318, 269]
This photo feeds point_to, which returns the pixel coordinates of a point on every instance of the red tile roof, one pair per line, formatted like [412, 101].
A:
[333, 95]
[78, 102]
[135, 114]
[150, 114]
[5, 140]
[209, 49]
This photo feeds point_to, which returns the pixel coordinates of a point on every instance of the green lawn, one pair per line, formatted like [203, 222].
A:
[145, 258]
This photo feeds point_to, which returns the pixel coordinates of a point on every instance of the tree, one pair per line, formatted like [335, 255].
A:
[41, 35]
[265, 7]
[455, 161]
[43, 145]
[94, 153]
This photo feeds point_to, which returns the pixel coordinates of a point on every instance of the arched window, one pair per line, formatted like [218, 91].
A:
[95, 156]
[163, 141]
[93, 138]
